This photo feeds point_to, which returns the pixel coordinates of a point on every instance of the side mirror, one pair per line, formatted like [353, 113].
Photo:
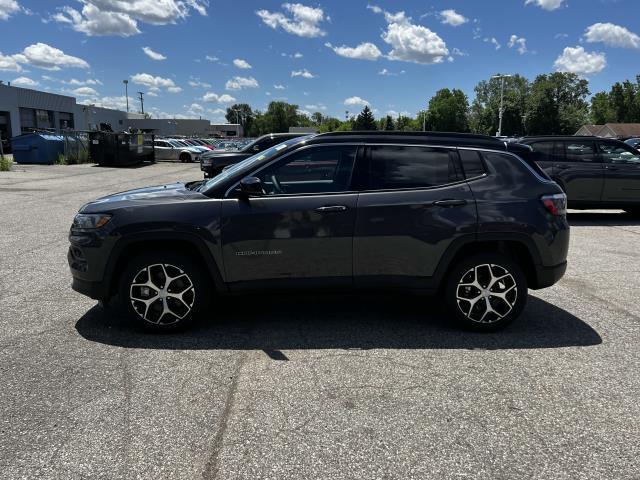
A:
[256, 148]
[251, 187]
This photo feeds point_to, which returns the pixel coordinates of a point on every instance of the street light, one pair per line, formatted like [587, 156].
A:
[501, 77]
[126, 92]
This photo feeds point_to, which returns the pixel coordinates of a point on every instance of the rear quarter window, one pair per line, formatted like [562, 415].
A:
[471, 163]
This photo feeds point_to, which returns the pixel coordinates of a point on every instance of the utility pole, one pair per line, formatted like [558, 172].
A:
[141, 102]
[346, 115]
[501, 113]
[126, 92]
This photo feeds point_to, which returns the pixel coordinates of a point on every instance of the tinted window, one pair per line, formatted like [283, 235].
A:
[313, 170]
[410, 167]
[618, 153]
[578, 151]
[471, 163]
[543, 151]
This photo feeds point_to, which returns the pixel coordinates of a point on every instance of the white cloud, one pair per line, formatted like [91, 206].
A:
[243, 64]
[120, 17]
[546, 4]
[195, 109]
[364, 51]
[211, 58]
[89, 81]
[316, 107]
[8, 8]
[153, 55]
[410, 42]
[355, 101]
[85, 92]
[8, 63]
[118, 103]
[518, 42]
[493, 42]
[195, 83]
[297, 55]
[456, 51]
[304, 73]
[211, 97]
[238, 83]
[577, 60]
[453, 18]
[44, 56]
[23, 82]
[612, 35]
[303, 21]
[155, 83]
[279, 87]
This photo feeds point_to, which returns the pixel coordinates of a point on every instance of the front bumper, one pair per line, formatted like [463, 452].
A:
[95, 290]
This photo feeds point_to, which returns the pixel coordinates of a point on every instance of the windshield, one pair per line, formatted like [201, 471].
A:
[250, 163]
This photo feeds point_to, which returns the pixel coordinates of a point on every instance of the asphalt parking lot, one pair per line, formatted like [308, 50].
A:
[286, 387]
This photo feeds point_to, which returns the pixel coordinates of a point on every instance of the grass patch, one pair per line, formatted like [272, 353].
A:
[5, 164]
[61, 160]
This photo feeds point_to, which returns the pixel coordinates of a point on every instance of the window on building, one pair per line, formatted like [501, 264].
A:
[66, 120]
[27, 120]
[44, 119]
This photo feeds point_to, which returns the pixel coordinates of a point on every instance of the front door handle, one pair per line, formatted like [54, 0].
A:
[450, 203]
[331, 208]
[561, 167]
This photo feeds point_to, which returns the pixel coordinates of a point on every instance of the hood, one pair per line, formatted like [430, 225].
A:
[173, 192]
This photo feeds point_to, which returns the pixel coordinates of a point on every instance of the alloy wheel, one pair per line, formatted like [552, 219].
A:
[162, 294]
[486, 293]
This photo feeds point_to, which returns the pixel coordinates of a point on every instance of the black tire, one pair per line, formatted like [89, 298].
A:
[475, 314]
[634, 212]
[185, 158]
[167, 313]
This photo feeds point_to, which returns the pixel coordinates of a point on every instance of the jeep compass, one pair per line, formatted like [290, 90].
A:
[461, 215]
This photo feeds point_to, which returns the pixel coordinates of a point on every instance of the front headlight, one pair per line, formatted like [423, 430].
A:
[92, 221]
[206, 161]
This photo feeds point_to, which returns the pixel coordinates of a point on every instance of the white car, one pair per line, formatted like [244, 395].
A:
[174, 151]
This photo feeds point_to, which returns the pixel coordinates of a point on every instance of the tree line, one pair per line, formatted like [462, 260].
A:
[551, 104]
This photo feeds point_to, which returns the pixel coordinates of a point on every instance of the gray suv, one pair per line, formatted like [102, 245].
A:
[459, 215]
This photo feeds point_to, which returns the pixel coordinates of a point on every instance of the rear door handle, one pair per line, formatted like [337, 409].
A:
[562, 167]
[331, 208]
[450, 203]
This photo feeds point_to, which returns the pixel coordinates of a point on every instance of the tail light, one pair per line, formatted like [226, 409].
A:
[555, 204]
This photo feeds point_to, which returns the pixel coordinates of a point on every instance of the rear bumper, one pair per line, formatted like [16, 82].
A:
[547, 276]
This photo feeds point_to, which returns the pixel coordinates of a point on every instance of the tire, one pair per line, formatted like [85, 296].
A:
[634, 212]
[154, 304]
[185, 158]
[488, 308]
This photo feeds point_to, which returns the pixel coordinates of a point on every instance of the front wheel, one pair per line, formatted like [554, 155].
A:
[486, 292]
[163, 291]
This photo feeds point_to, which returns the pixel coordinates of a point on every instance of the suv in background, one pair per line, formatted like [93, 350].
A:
[594, 172]
[212, 163]
[450, 213]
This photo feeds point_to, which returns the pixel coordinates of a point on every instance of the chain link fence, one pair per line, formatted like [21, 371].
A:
[76, 147]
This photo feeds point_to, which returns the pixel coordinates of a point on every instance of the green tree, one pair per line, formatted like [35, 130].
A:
[240, 113]
[279, 117]
[601, 109]
[557, 104]
[365, 120]
[485, 108]
[388, 123]
[404, 123]
[330, 124]
[448, 111]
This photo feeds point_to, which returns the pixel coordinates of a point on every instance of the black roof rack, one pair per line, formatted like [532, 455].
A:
[434, 138]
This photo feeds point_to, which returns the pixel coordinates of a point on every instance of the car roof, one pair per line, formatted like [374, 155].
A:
[418, 138]
[284, 135]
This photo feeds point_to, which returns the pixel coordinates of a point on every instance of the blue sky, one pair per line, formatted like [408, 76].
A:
[331, 56]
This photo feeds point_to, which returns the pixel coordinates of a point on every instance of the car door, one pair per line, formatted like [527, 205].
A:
[579, 171]
[301, 230]
[164, 151]
[414, 204]
[622, 172]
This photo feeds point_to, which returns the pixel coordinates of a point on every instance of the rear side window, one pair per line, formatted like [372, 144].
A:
[471, 163]
[579, 151]
[399, 167]
[544, 151]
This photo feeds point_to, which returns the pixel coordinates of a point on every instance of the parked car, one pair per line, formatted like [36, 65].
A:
[213, 163]
[194, 142]
[449, 213]
[594, 172]
[634, 142]
[174, 151]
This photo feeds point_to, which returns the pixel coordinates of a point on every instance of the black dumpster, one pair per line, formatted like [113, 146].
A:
[109, 149]
[39, 148]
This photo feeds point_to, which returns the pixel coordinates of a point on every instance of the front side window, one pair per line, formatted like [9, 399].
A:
[618, 153]
[400, 167]
[313, 170]
[579, 151]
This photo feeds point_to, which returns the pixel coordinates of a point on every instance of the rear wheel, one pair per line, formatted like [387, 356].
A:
[185, 158]
[163, 291]
[486, 292]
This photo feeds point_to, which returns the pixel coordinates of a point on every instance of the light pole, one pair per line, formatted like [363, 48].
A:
[141, 102]
[501, 78]
[126, 92]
